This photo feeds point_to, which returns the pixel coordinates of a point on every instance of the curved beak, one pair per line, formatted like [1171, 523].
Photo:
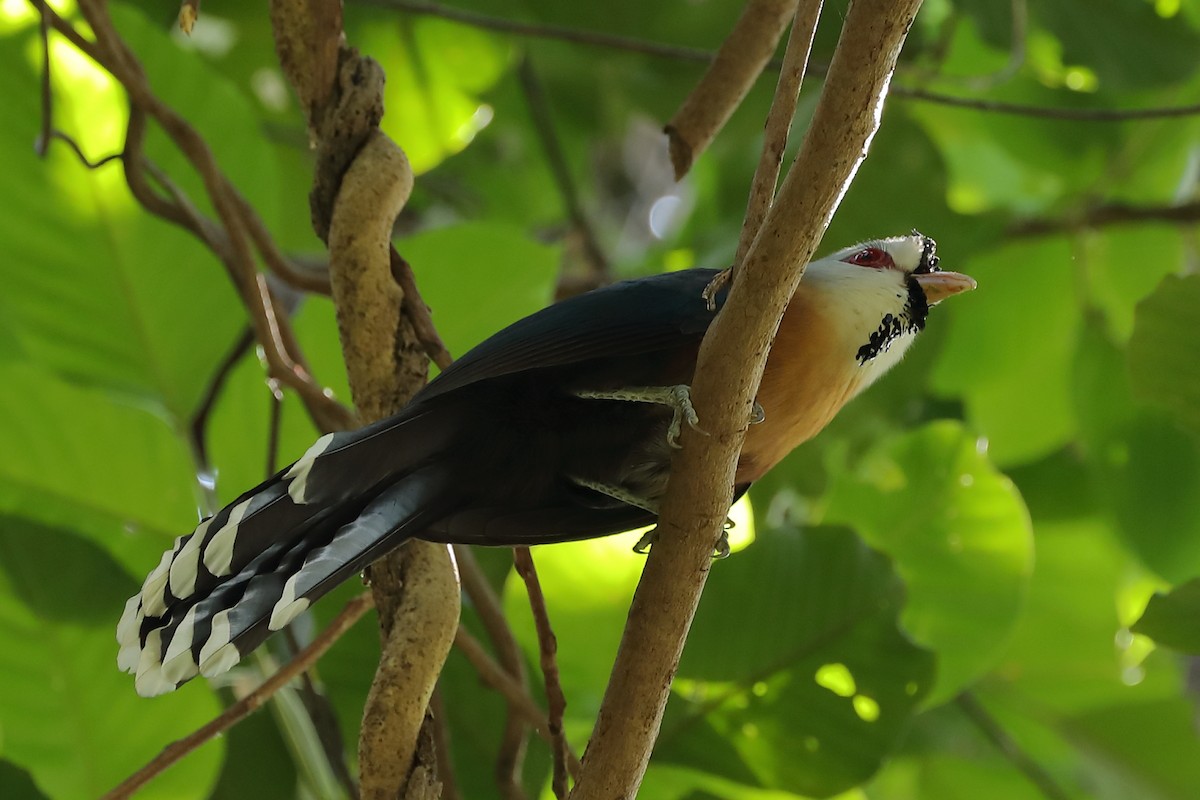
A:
[940, 285]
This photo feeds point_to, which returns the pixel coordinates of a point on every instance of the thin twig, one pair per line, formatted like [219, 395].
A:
[43, 142]
[779, 123]
[1008, 747]
[198, 428]
[74, 145]
[418, 313]
[1107, 215]
[1045, 112]
[275, 260]
[495, 676]
[511, 754]
[599, 268]
[441, 746]
[739, 62]
[548, 651]
[173, 752]
[533, 30]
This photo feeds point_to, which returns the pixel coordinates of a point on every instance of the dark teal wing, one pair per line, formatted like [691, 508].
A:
[626, 319]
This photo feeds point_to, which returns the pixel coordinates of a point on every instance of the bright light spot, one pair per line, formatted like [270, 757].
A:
[18, 14]
[750, 730]
[866, 708]
[1132, 676]
[664, 214]
[269, 88]
[742, 534]
[681, 258]
[1080, 79]
[759, 689]
[483, 116]
[981, 445]
[966, 479]
[1123, 638]
[1166, 8]
[211, 35]
[911, 688]
[837, 679]
[207, 479]
[967, 198]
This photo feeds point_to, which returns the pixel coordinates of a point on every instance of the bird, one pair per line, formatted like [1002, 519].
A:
[560, 427]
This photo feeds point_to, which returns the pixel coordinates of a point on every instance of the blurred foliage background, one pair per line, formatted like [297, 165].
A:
[936, 599]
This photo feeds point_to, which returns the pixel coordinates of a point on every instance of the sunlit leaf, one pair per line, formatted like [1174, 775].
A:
[796, 674]
[73, 721]
[961, 539]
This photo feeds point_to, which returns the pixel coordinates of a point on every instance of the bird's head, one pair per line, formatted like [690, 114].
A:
[878, 294]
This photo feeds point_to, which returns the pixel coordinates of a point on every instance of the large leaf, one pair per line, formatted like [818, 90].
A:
[1164, 346]
[961, 539]
[79, 459]
[66, 714]
[96, 289]
[1010, 346]
[796, 675]
[1147, 467]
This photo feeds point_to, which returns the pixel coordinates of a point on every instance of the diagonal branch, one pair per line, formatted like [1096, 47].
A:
[728, 372]
[738, 63]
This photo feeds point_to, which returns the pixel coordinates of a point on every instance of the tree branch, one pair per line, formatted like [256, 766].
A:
[362, 181]
[556, 701]
[728, 372]
[740, 60]
[779, 123]
[1107, 215]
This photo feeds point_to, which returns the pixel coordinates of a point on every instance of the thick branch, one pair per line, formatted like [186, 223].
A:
[727, 377]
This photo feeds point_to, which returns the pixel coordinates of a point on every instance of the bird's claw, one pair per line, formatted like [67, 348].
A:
[720, 549]
[680, 400]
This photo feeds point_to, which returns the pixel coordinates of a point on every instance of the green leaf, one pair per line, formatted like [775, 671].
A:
[436, 71]
[1173, 618]
[961, 538]
[17, 784]
[79, 459]
[1151, 748]
[1147, 467]
[479, 277]
[32, 556]
[75, 723]
[1164, 348]
[795, 675]
[94, 288]
[1112, 37]
[1010, 347]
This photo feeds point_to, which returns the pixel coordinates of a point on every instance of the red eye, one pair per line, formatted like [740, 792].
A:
[873, 257]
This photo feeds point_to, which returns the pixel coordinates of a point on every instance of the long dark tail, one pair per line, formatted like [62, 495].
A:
[254, 566]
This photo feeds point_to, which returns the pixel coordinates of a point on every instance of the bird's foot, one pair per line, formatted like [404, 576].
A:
[617, 493]
[678, 398]
[720, 549]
